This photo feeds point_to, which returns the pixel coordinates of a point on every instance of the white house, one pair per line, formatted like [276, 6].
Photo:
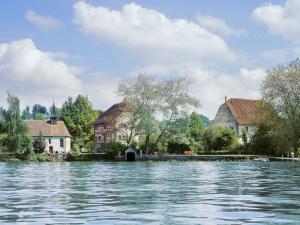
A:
[55, 133]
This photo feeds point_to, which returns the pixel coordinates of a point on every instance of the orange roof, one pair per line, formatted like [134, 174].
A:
[243, 110]
[48, 130]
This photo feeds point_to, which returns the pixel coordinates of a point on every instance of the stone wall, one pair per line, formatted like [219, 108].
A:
[224, 118]
[190, 158]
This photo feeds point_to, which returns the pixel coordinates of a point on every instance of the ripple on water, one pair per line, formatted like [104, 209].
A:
[150, 193]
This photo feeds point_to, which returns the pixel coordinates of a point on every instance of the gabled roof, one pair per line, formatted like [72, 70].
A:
[243, 110]
[114, 112]
[48, 130]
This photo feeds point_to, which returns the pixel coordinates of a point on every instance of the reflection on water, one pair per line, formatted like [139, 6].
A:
[150, 193]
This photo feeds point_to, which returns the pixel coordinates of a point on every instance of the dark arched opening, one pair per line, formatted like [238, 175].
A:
[130, 156]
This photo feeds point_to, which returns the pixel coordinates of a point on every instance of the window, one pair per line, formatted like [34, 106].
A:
[61, 142]
[104, 127]
[49, 141]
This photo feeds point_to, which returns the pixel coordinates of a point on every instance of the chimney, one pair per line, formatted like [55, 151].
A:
[225, 99]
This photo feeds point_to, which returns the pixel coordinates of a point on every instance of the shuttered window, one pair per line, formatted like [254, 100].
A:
[61, 142]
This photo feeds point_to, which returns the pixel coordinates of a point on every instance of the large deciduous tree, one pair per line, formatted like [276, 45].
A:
[39, 112]
[79, 117]
[281, 90]
[17, 140]
[153, 99]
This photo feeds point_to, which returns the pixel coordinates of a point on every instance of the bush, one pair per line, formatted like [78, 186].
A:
[75, 149]
[3, 141]
[114, 148]
[219, 138]
[263, 142]
[26, 147]
[39, 144]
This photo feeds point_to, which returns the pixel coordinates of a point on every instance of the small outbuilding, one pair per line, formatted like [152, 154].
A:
[130, 154]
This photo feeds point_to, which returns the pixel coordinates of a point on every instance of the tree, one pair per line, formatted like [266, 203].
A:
[39, 144]
[205, 120]
[219, 138]
[39, 112]
[281, 90]
[26, 115]
[16, 129]
[178, 136]
[197, 127]
[2, 120]
[141, 93]
[79, 117]
[166, 99]
[270, 135]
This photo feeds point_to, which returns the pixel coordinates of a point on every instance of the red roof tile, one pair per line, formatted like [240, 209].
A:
[244, 110]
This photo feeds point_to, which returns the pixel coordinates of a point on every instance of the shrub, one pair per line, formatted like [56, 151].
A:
[3, 141]
[75, 149]
[114, 148]
[219, 138]
[39, 144]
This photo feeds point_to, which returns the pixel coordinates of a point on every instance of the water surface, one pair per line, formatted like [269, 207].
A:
[150, 193]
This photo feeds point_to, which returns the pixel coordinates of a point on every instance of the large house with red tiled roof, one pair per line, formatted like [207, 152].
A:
[237, 114]
[107, 126]
[54, 132]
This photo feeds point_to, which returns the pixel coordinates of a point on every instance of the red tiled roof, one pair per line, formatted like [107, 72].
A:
[48, 130]
[244, 110]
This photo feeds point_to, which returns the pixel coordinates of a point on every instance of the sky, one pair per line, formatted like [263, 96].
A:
[53, 49]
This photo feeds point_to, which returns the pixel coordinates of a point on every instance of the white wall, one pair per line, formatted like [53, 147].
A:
[55, 143]
[250, 130]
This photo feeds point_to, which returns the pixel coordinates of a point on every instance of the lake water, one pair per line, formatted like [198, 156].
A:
[150, 193]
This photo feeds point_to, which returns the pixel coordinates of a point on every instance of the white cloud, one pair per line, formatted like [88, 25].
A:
[218, 25]
[281, 20]
[280, 55]
[150, 34]
[43, 22]
[211, 86]
[38, 77]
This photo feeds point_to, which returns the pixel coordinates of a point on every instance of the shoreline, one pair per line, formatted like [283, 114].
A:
[94, 157]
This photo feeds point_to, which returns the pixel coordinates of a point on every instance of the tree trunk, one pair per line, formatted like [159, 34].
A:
[147, 143]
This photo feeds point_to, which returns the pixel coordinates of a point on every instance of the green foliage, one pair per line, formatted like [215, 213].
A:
[40, 116]
[219, 138]
[114, 148]
[75, 149]
[183, 134]
[15, 127]
[263, 142]
[151, 97]
[79, 117]
[26, 114]
[39, 144]
[281, 90]
[205, 120]
[25, 147]
[39, 112]
[3, 141]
